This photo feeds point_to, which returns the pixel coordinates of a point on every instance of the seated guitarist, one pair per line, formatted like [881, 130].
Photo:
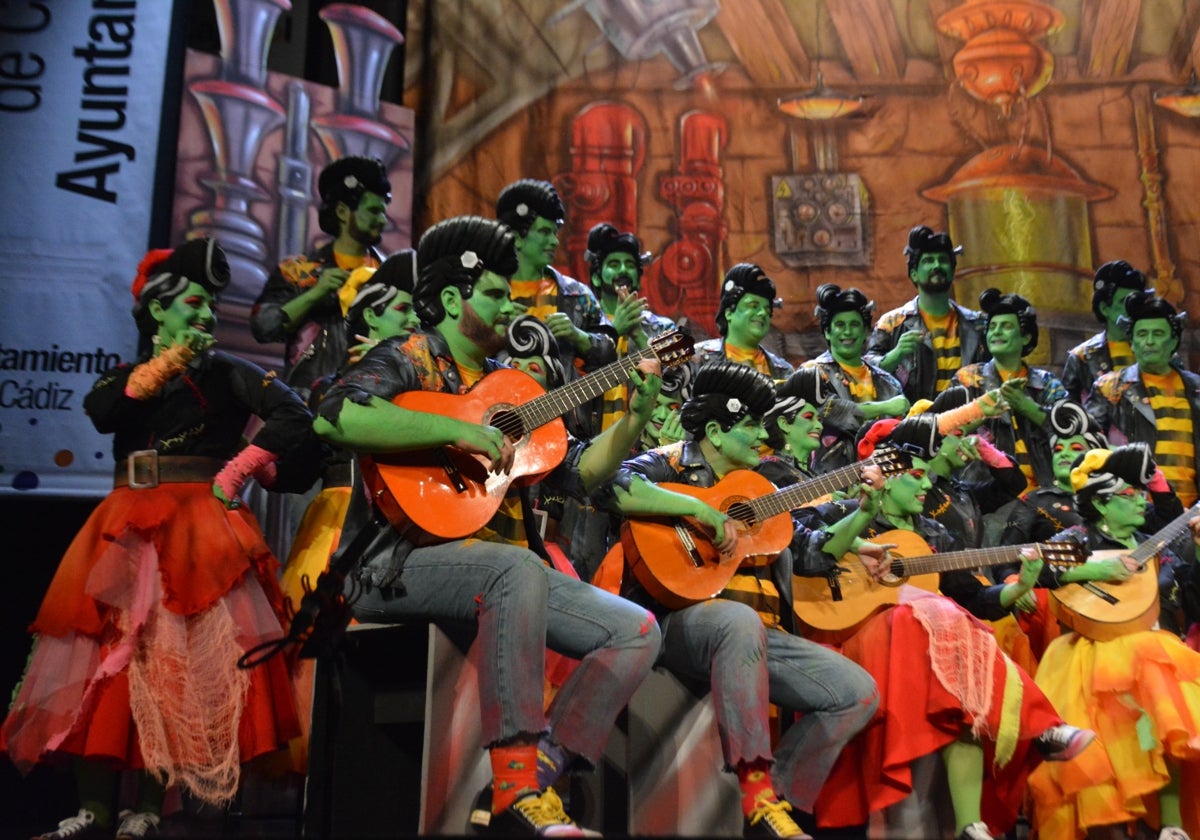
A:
[737, 642]
[1139, 689]
[517, 605]
[944, 683]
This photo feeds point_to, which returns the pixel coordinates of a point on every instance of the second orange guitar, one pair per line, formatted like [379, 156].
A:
[674, 558]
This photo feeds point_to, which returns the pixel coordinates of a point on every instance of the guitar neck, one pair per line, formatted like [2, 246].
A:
[1151, 548]
[953, 561]
[554, 404]
[805, 491]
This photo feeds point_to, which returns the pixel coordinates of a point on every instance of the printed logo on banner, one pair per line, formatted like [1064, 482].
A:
[81, 91]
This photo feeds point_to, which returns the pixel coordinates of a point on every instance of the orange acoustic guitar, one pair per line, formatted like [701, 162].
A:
[1104, 611]
[441, 494]
[840, 602]
[674, 558]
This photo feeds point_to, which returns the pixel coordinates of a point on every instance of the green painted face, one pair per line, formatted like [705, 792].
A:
[664, 405]
[190, 310]
[537, 247]
[398, 318]
[749, 321]
[904, 494]
[1116, 309]
[1004, 338]
[933, 272]
[803, 432]
[1124, 511]
[369, 219]
[535, 366]
[618, 269]
[742, 443]
[847, 334]
[1066, 450]
[486, 313]
[1153, 344]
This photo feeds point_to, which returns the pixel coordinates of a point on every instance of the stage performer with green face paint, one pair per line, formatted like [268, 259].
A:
[744, 315]
[945, 685]
[616, 262]
[1138, 688]
[492, 579]
[1012, 334]
[135, 656]
[858, 391]
[738, 642]
[1153, 400]
[923, 342]
[304, 301]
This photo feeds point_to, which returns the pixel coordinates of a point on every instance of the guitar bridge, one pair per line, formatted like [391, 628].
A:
[689, 545]
[1102, 594]
[452, 474]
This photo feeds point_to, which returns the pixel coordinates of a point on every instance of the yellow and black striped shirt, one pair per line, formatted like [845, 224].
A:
[943, 332]
[1174, 446]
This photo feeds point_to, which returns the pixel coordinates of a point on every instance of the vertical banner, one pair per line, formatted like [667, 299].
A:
[81, 90]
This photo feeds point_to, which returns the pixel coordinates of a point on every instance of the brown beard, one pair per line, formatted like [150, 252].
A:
[473, 328]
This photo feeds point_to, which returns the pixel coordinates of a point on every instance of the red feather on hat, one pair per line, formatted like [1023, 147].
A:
[154, 258]
[878, 432]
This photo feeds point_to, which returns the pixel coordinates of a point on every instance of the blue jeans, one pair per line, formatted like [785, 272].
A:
[749, 667]
[520, 607]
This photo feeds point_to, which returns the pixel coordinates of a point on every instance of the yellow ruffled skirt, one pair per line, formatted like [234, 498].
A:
[1140, 693]
[316, 539]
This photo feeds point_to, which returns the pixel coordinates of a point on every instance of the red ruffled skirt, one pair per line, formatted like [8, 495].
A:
[137, 640]
[918, 715]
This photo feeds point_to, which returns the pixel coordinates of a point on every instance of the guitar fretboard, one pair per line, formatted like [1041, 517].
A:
[555, 403]
[952, 561]
[1164, 536]
[795, 495]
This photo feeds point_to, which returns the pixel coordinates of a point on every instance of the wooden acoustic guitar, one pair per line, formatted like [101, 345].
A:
[674, 557]
[849, 595]
[1104, 611]
[441, 494]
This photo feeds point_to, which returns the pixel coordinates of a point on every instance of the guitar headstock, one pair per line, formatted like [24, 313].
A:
[672, 347]
[1063, 553]
[890, 460]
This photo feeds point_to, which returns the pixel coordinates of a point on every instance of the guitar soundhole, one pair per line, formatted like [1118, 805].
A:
[507, 421]
[742, 512]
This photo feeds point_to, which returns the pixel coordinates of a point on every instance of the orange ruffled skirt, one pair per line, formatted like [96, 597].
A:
[137, 640]
[1141, 694]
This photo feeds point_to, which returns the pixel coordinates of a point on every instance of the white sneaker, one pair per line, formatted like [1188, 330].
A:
[1173, 832]
[78, 827]
[975, 831]
[1064, 742]
[134, 825]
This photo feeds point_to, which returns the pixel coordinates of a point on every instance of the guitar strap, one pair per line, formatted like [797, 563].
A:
[532, 532]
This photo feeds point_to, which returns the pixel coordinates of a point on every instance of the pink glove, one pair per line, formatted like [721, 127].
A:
[992, 456]
[253, 460]
[1158, 484]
